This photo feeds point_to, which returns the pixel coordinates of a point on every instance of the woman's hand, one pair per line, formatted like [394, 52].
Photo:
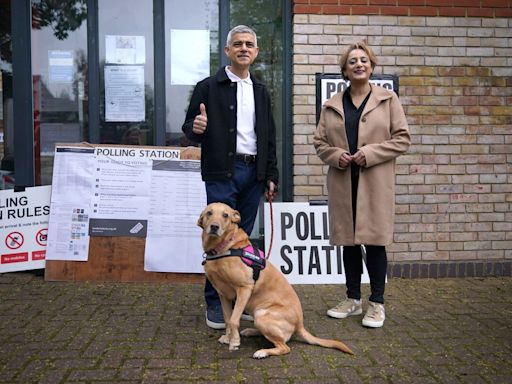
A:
[345, 160]
[359, 158]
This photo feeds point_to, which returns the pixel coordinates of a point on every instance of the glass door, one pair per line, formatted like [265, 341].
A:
[192, 53]
[59, 78]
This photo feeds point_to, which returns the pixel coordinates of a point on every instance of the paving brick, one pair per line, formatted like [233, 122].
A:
[437, 330]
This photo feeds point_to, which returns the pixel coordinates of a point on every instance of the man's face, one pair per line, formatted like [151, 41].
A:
[242, 51]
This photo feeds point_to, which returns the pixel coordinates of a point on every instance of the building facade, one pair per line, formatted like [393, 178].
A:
[453, 61]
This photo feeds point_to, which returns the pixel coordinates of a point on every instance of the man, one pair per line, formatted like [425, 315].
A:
[230, 116]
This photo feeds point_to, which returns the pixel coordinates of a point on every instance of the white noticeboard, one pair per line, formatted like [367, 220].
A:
[300, 248]
[119, 191]
[24, 228]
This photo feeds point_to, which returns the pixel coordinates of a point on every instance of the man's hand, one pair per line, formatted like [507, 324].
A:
[201, 121]
[271, 191]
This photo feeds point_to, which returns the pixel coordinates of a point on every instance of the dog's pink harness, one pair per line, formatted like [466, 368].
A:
[251, 256]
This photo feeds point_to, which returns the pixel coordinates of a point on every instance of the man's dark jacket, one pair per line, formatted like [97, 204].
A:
[218, 142]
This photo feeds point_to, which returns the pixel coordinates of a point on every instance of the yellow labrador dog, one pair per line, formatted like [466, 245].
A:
[271, 300]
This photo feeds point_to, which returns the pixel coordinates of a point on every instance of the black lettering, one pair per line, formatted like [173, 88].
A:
[300, 259]
[330, 89]
[46, 210]
[325, 219]
[314, 236]
[302, 223]
[342, 85]
[286, 223]
[339, 259]
[327, 249]
[314, 261]
[11, 214]
[286, 249]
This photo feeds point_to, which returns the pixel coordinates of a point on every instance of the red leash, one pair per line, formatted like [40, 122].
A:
[271, 228]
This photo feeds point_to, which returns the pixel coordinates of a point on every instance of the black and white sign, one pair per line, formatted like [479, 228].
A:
[300, 248]
[328, 84]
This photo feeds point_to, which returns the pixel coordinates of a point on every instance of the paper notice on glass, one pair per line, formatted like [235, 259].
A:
[124, 93]
[125, 49]
[72, 186]
[188, 66]
[60, 66]
[173, 242]
[120, 198]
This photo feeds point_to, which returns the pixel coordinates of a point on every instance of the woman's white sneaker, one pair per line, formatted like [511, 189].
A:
[348, 307]
[375, 315]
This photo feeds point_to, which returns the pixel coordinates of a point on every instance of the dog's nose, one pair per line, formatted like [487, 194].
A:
[214, 228]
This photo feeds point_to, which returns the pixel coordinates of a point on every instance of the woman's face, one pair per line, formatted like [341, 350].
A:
[358, 67]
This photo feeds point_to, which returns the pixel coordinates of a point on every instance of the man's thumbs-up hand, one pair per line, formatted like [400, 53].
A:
[201, 121]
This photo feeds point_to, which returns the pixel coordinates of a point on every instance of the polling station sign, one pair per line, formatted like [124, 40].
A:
[24, 228]
[300, 248]
[328, 84]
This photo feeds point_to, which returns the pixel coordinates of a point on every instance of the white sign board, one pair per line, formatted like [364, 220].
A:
[118, 191]
[300, 248]
[24, 228]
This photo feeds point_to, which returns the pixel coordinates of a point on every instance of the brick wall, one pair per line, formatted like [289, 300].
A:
[454, 62]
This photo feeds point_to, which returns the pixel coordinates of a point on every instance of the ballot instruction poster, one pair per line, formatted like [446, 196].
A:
[132, 191]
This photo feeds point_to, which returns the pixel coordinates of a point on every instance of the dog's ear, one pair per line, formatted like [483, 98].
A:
[200, 220]
[235, 217]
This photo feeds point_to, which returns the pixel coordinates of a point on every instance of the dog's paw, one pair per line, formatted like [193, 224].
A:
[224, 339]
[260, 354]
[234, 346]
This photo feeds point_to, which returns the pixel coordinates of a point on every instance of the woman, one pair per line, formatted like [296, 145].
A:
[360, 133]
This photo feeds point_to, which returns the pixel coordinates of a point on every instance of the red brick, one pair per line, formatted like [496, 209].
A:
[336, 10]
[364, 10]
[323, 2]
[297, 9]
[497, 3]
[411, 2]
[382, 2]
[501, 12]
[480, 12]
[396, 11]
[445, 11]
[467, 3]
[439, 2]
[423, 11]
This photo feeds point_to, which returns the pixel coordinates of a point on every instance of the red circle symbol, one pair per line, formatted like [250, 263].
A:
[14, 240]
[42, 237]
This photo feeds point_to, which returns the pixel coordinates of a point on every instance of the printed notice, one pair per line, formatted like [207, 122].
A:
[124, 93]
[125, 49]
[60, 66]
[120, 202]
[68, 237]
[178, 198]
[188, 66]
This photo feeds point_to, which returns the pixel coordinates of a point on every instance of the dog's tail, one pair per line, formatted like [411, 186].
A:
[327, 343]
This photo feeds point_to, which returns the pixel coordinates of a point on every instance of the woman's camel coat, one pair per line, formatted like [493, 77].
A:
[383, 136]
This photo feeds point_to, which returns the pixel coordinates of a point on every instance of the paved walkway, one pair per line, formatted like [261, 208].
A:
[437, 331]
